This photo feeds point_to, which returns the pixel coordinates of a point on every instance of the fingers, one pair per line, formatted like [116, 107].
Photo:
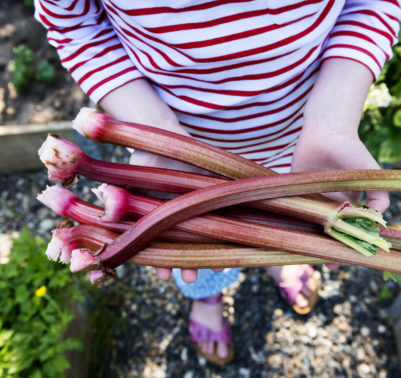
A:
[332, 266]
[163, 273]
[378, 200]
[189, 275]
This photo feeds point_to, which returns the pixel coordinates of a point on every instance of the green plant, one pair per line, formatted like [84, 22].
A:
[25, 68]
[380, 128]
[34, 314]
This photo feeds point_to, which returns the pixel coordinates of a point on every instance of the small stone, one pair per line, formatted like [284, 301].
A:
[343, 326]
[7, 30]
[184, 355]
[46, 225]
[278, 312]
[381, 329]
[12, 92]
[2, 101]
[365, 331]
[188, 374]
[363, 369]
[201, 360]
[338, 309]
[275, 361]
[346, 363]
[360, 354]
[244, 372]
[312, 330]
[10, 111]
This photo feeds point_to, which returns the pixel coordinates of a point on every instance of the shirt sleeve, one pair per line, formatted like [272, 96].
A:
[365, 32]
[87, 45]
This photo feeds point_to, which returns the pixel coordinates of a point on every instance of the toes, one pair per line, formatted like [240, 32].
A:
[222, 350]
[209, 347]
[301, 301]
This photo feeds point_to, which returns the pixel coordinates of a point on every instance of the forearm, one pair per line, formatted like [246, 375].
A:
[137, 102]
[336, 102]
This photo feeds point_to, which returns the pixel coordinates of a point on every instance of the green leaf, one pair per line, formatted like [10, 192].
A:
[56, 366]
[397, 118]
[385, 294]
[45, 72]
[393, 276]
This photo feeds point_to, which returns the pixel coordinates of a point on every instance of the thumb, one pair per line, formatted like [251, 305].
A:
[378, 200]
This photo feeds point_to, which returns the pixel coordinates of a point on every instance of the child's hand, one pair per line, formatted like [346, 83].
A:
[319, 149]
[329, 138]
[137, 102]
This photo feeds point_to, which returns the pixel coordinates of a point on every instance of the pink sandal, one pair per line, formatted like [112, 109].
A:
[200, 333]
[289, 293]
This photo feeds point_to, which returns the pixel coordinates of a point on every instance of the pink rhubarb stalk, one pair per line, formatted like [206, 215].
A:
[67, 204]
[175, 255]
[81, 260]
[100, 127]
[65, 162]
[204, 200]
[212, 225]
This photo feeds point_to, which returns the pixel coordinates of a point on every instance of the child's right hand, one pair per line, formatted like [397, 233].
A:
[137, 102]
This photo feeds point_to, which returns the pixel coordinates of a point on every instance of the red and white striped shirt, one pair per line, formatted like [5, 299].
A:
[237, 73]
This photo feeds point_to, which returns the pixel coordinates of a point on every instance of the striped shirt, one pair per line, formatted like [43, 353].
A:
[237, 73]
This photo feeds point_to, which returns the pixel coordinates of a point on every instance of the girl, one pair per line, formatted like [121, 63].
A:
[280, 82]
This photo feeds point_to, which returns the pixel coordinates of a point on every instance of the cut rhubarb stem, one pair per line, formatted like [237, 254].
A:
[240, 191]
[102, 128]
[393, 235]
[82, 260]
[318, 211]
[229, 229]
[177, 255]
[169, 255]
[65, 162]
[67, 204]
[114, 197]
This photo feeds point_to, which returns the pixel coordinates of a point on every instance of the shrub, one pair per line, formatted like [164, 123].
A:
[380, 128]
[35, 295]
[24, 68]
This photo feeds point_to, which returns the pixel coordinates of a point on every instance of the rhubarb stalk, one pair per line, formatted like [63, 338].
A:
[85, 238]
[67, 204]
[254, 189]
[65, 160]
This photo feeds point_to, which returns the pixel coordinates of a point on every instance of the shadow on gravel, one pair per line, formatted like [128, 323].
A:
[347, 335]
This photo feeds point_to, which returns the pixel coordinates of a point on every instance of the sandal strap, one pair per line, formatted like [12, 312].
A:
[201, 333]
[289, 293]
[212, 300]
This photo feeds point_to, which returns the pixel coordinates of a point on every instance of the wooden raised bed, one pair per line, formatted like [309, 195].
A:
[19, 144]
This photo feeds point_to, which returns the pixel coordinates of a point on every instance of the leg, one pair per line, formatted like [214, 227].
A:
[298, 284]
[210, 330]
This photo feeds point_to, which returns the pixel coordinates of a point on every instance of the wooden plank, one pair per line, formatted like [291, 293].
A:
[19, 144]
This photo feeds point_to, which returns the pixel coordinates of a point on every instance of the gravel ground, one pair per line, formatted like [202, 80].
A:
[349, 334]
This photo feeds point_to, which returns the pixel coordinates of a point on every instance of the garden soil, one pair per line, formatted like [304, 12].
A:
[38, 103]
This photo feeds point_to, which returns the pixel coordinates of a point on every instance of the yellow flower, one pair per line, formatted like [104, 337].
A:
[41, 291]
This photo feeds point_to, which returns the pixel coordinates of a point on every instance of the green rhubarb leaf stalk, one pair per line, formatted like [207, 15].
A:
[358, 227]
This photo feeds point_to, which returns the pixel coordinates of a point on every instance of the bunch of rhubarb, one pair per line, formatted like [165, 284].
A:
[283, 218]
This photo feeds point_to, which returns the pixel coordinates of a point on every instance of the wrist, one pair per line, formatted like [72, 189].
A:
[137, 102]
[336, 101]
